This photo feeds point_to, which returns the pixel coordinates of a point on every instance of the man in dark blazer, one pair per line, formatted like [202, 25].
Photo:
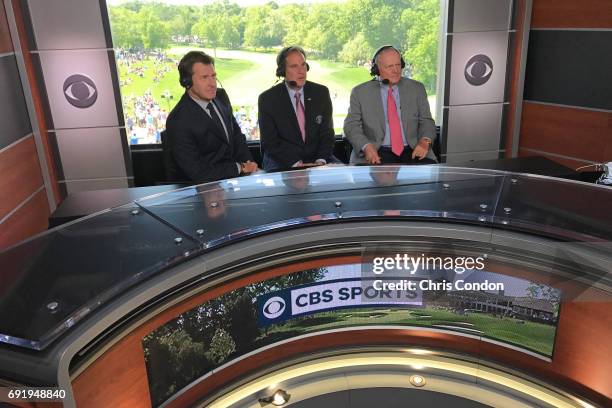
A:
[295, 117]
[202, 135]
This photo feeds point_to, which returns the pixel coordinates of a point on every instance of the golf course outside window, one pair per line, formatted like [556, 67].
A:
[244, 36]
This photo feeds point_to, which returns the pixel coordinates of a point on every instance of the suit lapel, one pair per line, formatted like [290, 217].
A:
[309, 112]
[225, 116]
[379, 110]
[403, 90]
[214, 127]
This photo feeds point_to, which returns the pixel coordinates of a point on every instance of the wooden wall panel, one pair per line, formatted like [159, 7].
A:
[115, 382]
[30, 219]
[37, 98]
[571, 132]
[20, 174]
[514, 76]
[570, 163]
[583, 339]
[572, 14]
[6, 44]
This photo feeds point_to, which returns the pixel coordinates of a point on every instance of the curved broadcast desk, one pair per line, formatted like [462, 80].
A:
[209, 295]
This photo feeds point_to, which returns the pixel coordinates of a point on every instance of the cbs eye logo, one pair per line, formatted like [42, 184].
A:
[478, 69]
[80, 91]
[274, 307]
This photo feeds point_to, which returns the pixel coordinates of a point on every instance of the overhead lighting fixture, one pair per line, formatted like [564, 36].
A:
[279, 398]
[419, 351]
[417, 380]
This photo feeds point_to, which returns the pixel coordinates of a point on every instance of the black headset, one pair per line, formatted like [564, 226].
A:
[374, 71]
[185, 66]
[281, 59]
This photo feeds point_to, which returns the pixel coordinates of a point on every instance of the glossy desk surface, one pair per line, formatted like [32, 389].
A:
[53, 281]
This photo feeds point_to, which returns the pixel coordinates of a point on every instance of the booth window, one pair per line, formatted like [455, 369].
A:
[339, 37]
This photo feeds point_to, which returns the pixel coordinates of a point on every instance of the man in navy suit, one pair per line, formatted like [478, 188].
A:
[202, 135]
[295, 117]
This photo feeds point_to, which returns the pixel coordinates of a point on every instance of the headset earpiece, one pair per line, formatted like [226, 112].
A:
[185, 81]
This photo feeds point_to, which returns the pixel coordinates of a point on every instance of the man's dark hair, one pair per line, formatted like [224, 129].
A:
[185, 66]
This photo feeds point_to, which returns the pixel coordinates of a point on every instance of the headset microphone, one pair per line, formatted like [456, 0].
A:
[292, 83]
[381, 81]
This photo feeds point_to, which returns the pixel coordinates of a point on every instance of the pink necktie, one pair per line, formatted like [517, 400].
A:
[299, 111]
[397, 144]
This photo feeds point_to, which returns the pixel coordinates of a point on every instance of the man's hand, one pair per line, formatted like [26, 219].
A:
[421, 149]
[248, 167]
[371, 155]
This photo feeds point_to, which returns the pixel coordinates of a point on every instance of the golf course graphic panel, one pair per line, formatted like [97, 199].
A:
[523, 316]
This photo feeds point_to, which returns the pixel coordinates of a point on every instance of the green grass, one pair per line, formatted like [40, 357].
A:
[530, 335]
[226, 69]
[344, 75]
[245, 74]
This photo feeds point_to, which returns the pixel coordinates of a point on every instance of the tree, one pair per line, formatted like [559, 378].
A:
[205, 337]
[183, 20]
[292, 18]
[356, 50]
[326, 35]
[125, 28]
[422, 22]
[541, 291]
[212, 31]
[261, 27]
[221, 347]
[155, 33]
[177, 357]
[378, 20]
[198, 30]
[230, 33]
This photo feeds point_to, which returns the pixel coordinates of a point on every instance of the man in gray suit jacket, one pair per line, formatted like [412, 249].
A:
[389, 120]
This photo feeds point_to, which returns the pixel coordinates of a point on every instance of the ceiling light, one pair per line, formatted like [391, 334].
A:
[419, 351]
[417, 380]
[280, 397]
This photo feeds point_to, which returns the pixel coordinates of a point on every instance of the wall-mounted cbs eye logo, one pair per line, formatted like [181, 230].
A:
[80, 91]
[478, 69]
[274, 307]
